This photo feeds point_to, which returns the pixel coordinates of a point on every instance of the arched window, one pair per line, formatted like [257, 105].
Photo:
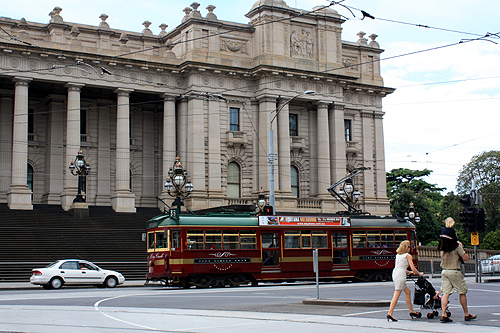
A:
[295, 180]
[30, 177]
[233, 180]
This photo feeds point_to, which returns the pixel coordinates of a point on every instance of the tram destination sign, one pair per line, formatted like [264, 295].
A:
[304, 221]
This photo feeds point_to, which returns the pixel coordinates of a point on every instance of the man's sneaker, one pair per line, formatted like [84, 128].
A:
[446, 320]
[470, 317]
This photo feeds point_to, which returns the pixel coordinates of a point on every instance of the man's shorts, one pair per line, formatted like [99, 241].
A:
[453, 279]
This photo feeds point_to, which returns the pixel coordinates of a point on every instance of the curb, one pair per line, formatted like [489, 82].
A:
[345, 302]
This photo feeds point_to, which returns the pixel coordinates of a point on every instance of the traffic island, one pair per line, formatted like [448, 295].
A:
[345, 302]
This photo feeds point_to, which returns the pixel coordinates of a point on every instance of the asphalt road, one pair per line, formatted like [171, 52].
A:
[266, 308]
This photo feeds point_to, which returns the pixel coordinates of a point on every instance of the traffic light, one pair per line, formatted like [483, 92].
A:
[468, 219]
[466, 200]
[480, 220]
[268, 210]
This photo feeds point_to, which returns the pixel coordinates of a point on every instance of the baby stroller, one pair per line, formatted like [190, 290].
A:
[427, 297]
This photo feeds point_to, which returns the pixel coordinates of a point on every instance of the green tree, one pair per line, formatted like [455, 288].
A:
[405, 186]
[451, 207]
[491, 241]
[484, 172]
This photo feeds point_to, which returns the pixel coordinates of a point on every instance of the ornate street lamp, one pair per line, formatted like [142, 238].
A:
[178, 183]
[271, 145]
[412, 216]
[350, 194]
[80, 168]
[261, 202]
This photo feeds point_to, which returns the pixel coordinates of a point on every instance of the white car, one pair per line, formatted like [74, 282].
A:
[491, 265]
[74, 272]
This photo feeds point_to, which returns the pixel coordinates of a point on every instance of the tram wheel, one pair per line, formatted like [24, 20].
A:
[204, 281]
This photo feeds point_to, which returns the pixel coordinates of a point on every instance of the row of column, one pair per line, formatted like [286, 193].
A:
[327, 149]
[19, 196]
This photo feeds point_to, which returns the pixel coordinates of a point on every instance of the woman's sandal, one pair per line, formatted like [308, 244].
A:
[415, 315]
[391, 318]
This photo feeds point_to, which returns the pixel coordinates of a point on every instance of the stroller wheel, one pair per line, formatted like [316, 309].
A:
[435, 313]
[448, 313]
[430, 315]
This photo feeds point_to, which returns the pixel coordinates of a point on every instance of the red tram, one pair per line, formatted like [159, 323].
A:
[233, 249]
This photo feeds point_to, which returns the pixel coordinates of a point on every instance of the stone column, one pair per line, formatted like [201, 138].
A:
[383, 206]
[267, 105]
[323, 150]
[103, 167]
[195, 161]
[214, 155]
[72, 144]
[337, 143]
[284, 158]
[255, 147]
[182, 130]
[123, 200]
[19, 195]
[6, 122]
[149, 180]
[313, 151]
[54, 154]
[368, 144]
[169, 140]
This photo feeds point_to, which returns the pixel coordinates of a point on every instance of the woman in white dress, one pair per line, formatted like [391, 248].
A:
[403, 260]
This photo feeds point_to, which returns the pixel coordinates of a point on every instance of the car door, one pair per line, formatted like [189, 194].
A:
[90, 274]
[70, 272]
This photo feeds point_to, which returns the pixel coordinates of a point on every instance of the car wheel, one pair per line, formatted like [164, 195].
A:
[111, 282]
[46, 286]
[56, 283]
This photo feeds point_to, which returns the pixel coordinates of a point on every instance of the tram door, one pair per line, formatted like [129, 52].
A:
[270, 249]
[340, 258]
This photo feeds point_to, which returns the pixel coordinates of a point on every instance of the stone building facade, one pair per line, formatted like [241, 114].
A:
[206, 91]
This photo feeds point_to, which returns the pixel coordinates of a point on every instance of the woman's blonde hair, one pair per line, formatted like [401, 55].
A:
[403, 247]
[449, 222]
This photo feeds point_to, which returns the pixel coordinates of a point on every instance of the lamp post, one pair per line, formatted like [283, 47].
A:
[178, 184]
[350, 194]
[271, 145]
[412, 216]
[80, 168]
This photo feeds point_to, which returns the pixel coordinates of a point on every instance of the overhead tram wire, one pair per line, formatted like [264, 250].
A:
[368, 15]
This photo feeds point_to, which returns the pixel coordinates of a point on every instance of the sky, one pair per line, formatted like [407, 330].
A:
[445, 108]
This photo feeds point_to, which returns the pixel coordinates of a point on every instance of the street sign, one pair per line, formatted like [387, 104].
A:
[474, 238]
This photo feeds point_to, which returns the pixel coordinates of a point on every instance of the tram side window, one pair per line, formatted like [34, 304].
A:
[213, 239]
[387, 238]
[339, 239]
[306, 239]
[292, 239]
[270, 240]
[161, 239]
[319, 239]
[176, 239]
[151, 241]
[248, 239]
[195, 239]
[373, 238]
[359, 239]
[400, 236]
[231, 240]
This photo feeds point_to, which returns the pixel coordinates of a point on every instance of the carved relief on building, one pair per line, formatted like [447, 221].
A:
[235, 46]
[301, 42]
[350, 62]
